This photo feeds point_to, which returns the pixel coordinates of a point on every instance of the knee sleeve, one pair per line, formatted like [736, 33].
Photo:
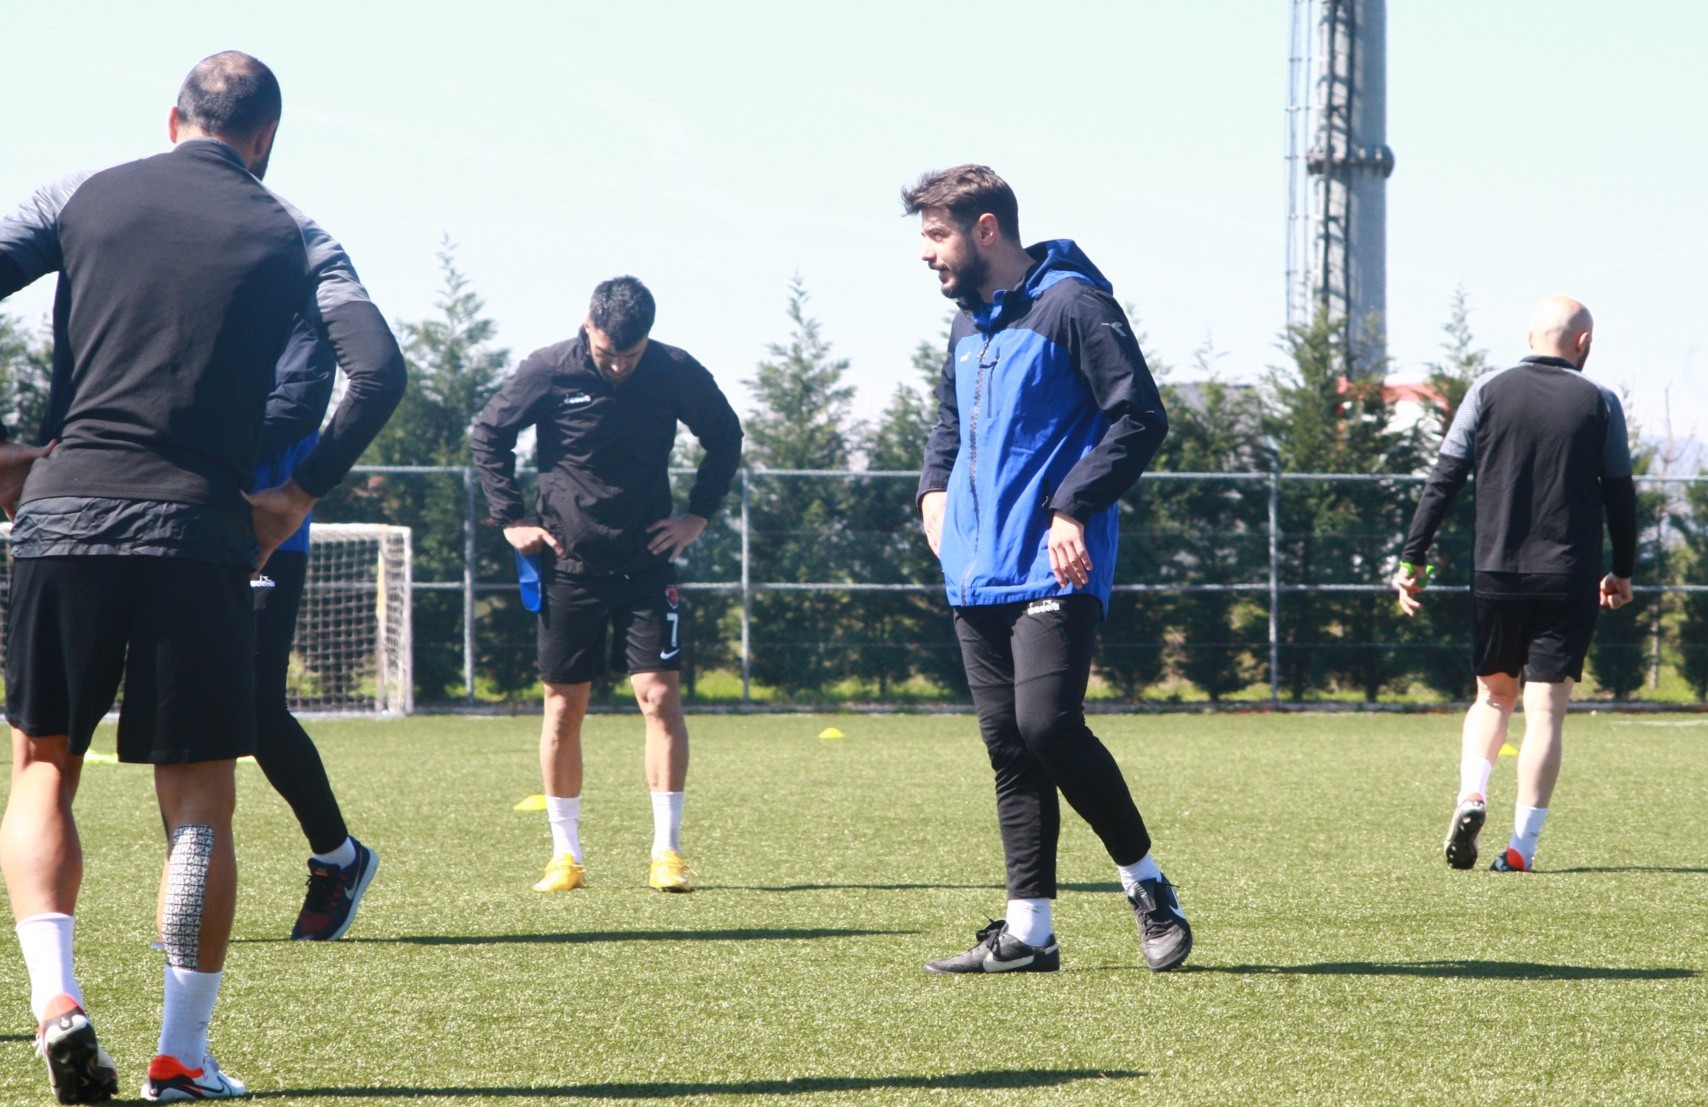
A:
[190, 854]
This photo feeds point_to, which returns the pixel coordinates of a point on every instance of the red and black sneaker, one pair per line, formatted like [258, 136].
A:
[1510, 861]
[333, 895]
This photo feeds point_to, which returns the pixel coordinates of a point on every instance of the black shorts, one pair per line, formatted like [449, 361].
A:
[644, 610]
[178, 632]
[1546, 640]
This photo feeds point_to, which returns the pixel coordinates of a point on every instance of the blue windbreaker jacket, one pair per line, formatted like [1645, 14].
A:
[1044, 405]
[302, 388]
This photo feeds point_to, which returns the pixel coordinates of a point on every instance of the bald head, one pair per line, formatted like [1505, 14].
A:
[234, 98]
[1562, 327]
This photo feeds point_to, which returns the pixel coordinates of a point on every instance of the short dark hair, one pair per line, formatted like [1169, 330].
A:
[624, 309]
[231, 94]
[968, 191]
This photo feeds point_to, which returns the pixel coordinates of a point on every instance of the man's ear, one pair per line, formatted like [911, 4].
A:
[173, 124]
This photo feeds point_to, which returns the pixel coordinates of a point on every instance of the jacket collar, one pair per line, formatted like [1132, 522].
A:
[1556, 362]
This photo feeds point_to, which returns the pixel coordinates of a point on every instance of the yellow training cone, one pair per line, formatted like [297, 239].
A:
[1508, 751]
[831, 732]
[93, 758]
[531, 803]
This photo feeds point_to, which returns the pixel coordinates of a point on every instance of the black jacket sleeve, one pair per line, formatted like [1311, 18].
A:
[1619, 495]
[1103, 346]
[517, 405]
[944, 442]
[363, 344]
[1439, 491]
[302, 387]
[705, 411]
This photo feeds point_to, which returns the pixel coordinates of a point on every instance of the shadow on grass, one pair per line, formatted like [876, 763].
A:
[591, 937]
[932, 886]
[1617, 869]
[800, 1085]
[1471, 970]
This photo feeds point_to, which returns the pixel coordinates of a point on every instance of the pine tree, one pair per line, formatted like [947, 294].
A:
[803, 419]
[26, 370]
[453, 370]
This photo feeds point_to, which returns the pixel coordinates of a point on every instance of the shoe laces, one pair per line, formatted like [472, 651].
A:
[323, 884]
[1153, 904]
[990, 934]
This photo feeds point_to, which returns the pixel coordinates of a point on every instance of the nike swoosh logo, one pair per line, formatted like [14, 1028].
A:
[991, 964]
[666, 656]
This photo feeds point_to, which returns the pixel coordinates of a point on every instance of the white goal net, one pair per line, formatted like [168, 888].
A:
[353, 645]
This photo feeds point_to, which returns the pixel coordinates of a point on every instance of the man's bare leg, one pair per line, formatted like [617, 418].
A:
[42, 857]
[1545, 707]
[198, 900]
[660, 698]
[560, 769]
[1484, 732]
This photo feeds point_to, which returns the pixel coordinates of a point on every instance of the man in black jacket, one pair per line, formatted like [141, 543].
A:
[1549, 449]
[605, 406]
[179, 278]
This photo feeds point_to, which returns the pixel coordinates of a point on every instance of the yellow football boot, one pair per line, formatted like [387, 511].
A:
[669, 873]
[564, 874]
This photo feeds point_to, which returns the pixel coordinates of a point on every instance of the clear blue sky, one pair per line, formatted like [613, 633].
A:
[717, 149]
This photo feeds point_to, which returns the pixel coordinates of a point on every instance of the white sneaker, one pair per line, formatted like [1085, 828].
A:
[168, 1081]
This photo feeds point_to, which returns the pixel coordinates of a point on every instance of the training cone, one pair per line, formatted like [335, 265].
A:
[831, 732]
[530, 803]
[93, 758]
[1508, 750]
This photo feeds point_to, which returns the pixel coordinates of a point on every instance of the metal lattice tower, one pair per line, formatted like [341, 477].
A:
[1338, 164]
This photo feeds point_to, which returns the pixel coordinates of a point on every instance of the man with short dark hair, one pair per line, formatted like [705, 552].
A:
[1046, 415]
[1551, 455]
[179, 278]
[605, 406]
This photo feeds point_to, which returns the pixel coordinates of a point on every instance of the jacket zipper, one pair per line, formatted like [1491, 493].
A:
[973, 464]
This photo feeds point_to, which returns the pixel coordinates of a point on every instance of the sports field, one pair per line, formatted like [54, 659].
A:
[1338, 960]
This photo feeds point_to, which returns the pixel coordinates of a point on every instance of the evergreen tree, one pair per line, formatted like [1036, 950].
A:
[26, 370]
[1327, 411]
[1691, 520]
[1619, 652]
[453, 370]
[803, 420]
[1220, 527]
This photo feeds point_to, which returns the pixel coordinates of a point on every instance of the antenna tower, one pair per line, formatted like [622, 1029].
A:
[1338, 164]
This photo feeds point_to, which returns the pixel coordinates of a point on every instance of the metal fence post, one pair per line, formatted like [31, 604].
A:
[1274, 586]
[468, 584]
[746, 586]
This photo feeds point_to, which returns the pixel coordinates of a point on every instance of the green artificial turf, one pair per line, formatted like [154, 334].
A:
[1338, 960]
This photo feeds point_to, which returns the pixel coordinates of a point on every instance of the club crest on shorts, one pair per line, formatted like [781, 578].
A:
[671, 596]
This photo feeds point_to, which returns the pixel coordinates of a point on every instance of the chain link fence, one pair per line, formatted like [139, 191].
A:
[815, 588]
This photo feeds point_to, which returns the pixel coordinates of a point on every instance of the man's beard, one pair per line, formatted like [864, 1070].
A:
[969, 277]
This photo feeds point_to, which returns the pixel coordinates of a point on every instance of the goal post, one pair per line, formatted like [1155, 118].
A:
[353, 648]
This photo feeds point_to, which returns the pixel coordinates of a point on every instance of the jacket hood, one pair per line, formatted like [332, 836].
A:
[1057, 259]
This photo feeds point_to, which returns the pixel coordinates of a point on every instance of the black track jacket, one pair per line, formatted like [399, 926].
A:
[604, 449]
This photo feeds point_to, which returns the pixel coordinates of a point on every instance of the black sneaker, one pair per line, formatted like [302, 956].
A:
[999, 951]
[333, 895]
[1464, 833]
[78, 1069]
[1164, 934]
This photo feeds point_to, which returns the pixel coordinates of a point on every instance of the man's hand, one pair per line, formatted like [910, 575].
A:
[1615, 592]
[527, 539]
[1408, 586]
[1068, 557]
[15, 461]
[673, 535]
[931, 518]
[277, 513]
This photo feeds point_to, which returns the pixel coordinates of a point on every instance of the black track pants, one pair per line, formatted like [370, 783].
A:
[1027, 664]
[284, 750]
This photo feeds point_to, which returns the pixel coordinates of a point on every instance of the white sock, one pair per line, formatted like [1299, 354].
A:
[190, 999]
[666, 822]
[1145, 868]
[564, 813]
[344, 856]
[1474, 777]
[46, 942]
[1029, 920]
[1526, 828]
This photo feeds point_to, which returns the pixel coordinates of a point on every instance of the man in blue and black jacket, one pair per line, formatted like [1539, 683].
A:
[1046, 415]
